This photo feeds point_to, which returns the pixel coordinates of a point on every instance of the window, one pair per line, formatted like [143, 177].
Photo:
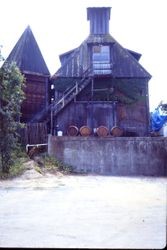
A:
[101, 59]
[52, 86]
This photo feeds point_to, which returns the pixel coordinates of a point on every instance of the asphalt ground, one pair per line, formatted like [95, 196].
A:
[83, 212]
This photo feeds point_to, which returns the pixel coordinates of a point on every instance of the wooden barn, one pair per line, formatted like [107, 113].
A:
[100, 85]
[100, 88]
[27, 55]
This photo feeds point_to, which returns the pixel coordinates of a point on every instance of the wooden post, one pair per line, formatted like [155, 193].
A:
[114, 114]
[51, 120]
[92, 90]
[63, 102]
[76, 88]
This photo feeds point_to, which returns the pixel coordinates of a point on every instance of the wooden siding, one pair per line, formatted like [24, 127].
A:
[85, 114]
[36, 96]
[124, 62]
[118, 103]
[101, 107]
[132, 119]
[99, 20]
[125, 65]
[34, 133]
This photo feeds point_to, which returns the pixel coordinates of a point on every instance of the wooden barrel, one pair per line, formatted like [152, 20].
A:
[72, 130]
[85, 131]
[116, 131]
[102, 131]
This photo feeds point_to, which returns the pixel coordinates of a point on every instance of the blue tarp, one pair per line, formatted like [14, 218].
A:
[157, 120]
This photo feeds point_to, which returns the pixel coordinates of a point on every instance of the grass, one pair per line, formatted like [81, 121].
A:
[52, 164]
[16, 169]
[44, 163]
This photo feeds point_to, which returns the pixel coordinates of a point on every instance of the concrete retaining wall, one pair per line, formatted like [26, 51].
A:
[112, 156]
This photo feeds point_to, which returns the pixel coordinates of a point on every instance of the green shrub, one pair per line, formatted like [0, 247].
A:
[54, 164]
[16, 169]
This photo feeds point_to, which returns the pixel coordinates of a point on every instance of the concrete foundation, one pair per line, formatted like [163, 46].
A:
[121, 156]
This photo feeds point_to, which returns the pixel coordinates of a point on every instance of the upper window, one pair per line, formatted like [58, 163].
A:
[101, 59]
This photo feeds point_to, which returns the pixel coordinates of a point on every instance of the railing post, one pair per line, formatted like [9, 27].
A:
[63, 102]
[76, 88]
[51, 120]
[72, 91]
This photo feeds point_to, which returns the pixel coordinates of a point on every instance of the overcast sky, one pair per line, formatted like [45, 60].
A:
[61, 25]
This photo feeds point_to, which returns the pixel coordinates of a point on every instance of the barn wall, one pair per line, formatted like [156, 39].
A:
[132, 119]
[36, 96]
[89, 114]
[124, 63]
[33, 133]
[112, 156]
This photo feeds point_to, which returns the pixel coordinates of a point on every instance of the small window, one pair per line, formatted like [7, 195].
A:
[101, 59]
[52, 86]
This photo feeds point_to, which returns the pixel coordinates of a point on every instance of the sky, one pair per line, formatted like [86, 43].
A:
[61, 25]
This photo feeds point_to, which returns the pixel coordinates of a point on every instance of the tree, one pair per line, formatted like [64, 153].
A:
[11, 97]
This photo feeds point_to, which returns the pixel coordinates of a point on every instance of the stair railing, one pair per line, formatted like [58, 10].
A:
[73, 91]
[69, 95]
[62, 101]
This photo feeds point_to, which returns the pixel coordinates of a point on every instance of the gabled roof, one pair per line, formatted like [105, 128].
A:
[125, 62]
[135, 54]
[63, 57]
[27, 54]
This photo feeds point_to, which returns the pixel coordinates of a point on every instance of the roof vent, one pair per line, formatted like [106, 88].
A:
[99, 19]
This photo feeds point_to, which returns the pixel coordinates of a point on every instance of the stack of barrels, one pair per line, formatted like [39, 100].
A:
[74, 131]
[101, 131]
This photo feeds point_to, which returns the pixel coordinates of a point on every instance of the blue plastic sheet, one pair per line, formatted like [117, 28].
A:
[157, 120]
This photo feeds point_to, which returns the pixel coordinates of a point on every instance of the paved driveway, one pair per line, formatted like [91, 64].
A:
[83, 211]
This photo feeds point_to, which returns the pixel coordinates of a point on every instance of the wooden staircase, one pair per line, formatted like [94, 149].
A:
[70, 95]
[54, 108]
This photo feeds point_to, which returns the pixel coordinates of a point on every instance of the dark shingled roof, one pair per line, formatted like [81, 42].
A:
[27, 54]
